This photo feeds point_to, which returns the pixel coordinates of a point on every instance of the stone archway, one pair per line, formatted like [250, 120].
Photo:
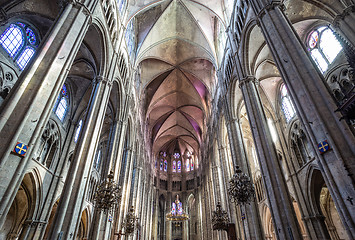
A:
[323, 206]
[21, 213]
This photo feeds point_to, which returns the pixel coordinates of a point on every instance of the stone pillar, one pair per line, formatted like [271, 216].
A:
[70, 206]
[344, 23]
[28, 107]
[252, 224]
[284, 217]
[123, 209]
[136, 196]
[315, 106]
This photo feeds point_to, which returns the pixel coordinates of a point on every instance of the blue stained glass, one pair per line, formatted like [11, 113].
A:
[25, 57]
[61, 109]
[165, 165]
[179, 166]
[174, 166]
[176, 155]
[161, 165]
[173, 208]
[187, 164]
[192, 164]
[78, 131]
[179, 208]
[12, 40]
[21, 24]
[31, 37]
[64, 90]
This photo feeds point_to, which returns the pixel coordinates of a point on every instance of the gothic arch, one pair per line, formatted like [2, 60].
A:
[98, 40]
[245, 43]
[84, 226]
[24, 206]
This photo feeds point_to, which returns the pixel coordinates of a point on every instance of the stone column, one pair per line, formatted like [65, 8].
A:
[252, 224]
[344, 22]
[280, 204]
[315, 106]
[136, 195]
[70, 206]
[123, 209]
[28, 107]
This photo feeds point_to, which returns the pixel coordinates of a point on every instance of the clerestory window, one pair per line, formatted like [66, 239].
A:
[323, 47]
[20, 41]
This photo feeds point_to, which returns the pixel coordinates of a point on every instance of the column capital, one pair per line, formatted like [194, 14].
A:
[248, 79]
[270, 5]
[102, 79]
[342, 15]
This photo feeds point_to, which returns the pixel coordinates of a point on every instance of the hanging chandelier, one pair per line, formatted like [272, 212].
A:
[130, 222]
[241, 189]
[177, 214]
[108, 193]
[220, 219]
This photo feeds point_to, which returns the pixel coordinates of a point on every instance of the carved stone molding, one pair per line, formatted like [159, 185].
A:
[248, 79]
[342, 15]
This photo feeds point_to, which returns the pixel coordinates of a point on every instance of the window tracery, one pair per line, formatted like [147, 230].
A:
[286, 104]
[61, 106]
[299, 144]
[78, 130]
[20, 41]
[323, 47]
[49, 144]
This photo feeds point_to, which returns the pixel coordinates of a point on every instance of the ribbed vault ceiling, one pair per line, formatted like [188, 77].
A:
[178, 47]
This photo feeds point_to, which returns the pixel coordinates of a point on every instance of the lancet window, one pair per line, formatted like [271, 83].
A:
[323, 47]
[20, 41]
[78, 130]
[286, 104]
[61, 106]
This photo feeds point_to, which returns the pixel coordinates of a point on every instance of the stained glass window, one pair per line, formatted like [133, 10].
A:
[179, 208]
[173, 208]
[61, 106]
[61, 109]
[323, 47]
[161, 164]
[31, 37]
[176, 155]
[192, 166]
[179, 166]
[188, 165]
[165, 165]
[286, 104]
[25, 57]
[98, 159]
[20, 41]
[78, 129]
[12, 39]
[174, 166]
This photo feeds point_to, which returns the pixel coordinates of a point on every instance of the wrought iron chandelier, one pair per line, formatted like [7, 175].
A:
[108, 193]
[241, 189]
[130, 222]
[177, 214]
[220, 219]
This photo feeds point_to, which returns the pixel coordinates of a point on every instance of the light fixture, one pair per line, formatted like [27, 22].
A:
[220, 219]
[130, 222]
[241, 189]
[177, 214]
[107, 194]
